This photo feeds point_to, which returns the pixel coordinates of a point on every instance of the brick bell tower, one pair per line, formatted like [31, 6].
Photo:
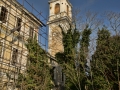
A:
[60, 13]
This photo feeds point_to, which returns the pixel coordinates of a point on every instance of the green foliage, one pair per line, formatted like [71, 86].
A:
[83, 54]
[37, 75]
[70, 40]
[76, 77]
[66, 59]
[105, 62]
[105, 65]
[104, 73]
[84, 42]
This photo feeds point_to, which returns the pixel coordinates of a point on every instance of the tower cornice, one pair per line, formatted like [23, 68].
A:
[69, 3]
[59, 0]
[59, 17]
[52, 1]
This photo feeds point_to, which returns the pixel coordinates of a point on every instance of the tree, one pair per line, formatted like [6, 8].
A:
[97, 63]
[103, 71]
[37, 75]
[74, 61]
[67, 58]
[83, 54]
[70, 40]
[114, 21]
[105, 62]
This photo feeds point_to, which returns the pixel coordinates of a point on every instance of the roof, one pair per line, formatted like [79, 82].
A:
[50, 1]
[31, 15]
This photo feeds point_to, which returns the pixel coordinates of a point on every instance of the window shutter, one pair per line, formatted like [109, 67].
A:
[1, 49]
[14, 56]
[67, 10]
[19, 57]
[18, 25]
[0, 10]
[31, 32]
[6, 12]
[55, 73]
[0, 13]
[59, 74]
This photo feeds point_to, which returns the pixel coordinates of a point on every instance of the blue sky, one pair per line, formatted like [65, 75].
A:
[99, 6]
[93, 5]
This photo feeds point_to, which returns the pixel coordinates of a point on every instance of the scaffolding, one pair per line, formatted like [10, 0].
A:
[17, 24]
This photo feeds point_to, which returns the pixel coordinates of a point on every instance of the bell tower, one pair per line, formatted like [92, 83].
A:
[60, 13]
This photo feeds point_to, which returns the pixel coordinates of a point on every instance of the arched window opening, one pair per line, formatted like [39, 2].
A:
[67, 10]
[57, 8]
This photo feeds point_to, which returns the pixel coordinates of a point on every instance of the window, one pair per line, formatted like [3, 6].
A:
[57, 8]
[3, 14]
[55, 73]
[1, 46]
[14, 56]
[52, 73]
[31, 32]
[62, 77]
[67, 10]
[18, 25]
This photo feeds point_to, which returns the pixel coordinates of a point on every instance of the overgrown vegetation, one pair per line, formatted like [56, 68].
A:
[99, 70]
[105, 62]
[92, 71]
[37, 75]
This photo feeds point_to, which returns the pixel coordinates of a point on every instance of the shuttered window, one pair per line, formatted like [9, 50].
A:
[57, 8]
[14, 56]
[67, 10]
[31, 32]
[1, 46]
[3, 14]
[18, 24]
